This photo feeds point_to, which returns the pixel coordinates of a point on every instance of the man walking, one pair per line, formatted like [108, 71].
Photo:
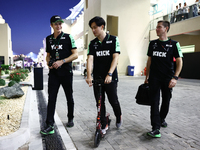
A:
[161, 75]
[61, 51]
[103, 54]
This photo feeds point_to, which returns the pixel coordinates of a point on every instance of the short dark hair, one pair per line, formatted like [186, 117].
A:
[98, 20]
[165, 24]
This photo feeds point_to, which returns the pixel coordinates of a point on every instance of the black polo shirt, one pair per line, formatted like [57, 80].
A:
[162, 53]
[103, 56]
[63, 44]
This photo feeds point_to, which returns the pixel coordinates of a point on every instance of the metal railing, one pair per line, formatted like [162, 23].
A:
[175, 17]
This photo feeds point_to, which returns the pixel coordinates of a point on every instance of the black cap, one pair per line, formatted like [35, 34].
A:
[56, 18]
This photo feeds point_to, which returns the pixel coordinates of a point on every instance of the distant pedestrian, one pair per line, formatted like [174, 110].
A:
[172, 19]
[85, 73]
[74, 67]
[185, 11]
[161, 75]
[180, 13]
[61, 51]
[85, 70]
[38, 65]
[196, 8]
[35, 64]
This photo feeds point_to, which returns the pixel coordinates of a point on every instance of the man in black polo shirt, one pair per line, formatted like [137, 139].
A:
[61, 51]
[161, 75]
[103, 54]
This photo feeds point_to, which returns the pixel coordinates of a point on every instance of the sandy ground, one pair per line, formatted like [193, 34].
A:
[11, 112]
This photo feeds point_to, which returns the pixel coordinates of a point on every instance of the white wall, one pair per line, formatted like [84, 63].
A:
[133, 29]
[6, 43]
[66, 26]
[94, 9]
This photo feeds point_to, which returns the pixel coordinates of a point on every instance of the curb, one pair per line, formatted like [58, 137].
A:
[28, 133]
[21, 136]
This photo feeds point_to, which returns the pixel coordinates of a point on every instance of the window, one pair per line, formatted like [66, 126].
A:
[2, 60]
[112, 25]
[188, 49]
[86, 42]
[86, 4]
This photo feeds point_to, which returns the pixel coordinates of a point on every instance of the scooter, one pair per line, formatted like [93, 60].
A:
[98, 133]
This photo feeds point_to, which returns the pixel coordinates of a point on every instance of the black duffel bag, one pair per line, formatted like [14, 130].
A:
[142, 96]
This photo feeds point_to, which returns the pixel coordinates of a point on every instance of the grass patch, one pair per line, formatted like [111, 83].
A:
[2, 98]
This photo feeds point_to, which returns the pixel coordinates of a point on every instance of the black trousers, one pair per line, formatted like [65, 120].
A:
[111, 92]
[54, 83]
[158, 115]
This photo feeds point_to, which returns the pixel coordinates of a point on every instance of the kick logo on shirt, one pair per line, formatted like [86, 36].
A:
[103, 53]
[159, 54]
[56, 47]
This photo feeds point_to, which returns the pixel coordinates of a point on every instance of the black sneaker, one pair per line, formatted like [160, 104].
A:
[164, 124]
[154, 133]
[48, 130]
[70, 124]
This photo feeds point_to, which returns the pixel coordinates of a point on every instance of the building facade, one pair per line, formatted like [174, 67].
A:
[74, 25]
[41, 58]
[129, 20]
[134, 23]
[6, 53]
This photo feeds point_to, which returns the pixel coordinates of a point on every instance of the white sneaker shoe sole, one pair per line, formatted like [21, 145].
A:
[104, 130]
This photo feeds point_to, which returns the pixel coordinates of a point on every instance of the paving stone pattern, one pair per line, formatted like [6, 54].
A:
[183, 119]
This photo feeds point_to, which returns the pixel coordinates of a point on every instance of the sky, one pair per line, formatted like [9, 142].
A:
[29, 21]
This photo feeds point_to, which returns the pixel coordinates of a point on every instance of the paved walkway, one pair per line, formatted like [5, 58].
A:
[183, 119]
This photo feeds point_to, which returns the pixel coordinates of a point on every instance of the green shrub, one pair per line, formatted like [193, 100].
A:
[26, 74]
[11, 83]
[18, 75]
[2, 72]
[6, 67]
[24, 70]
[7, 72]
[23, 76]
[2, 82]
[15, 76]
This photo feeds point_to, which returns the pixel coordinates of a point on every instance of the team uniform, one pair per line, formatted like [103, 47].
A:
[59, 49]
[161, 72]
[103, 56]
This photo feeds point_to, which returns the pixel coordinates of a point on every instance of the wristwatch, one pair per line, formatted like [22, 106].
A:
[63, 60]
[110, 74]
[175, 77]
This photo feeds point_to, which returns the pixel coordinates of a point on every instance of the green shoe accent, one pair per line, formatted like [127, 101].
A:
[47, 133]
[154, 133]
[157, 135]
[164, 124]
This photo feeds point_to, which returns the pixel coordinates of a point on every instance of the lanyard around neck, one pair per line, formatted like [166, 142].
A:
[163, 46]
[54, 40]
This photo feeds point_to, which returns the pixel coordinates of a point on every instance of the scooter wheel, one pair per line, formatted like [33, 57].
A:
[97, 138]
